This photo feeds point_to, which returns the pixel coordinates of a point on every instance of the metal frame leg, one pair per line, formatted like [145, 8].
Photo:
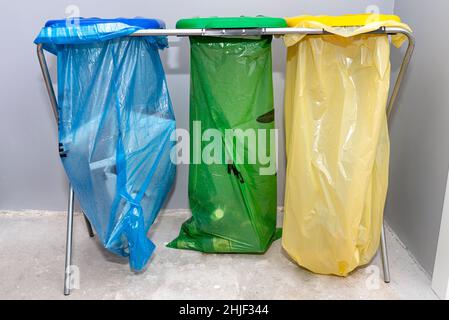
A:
[70, 210]
[68, 253]
[391, 103]
[384, 254]
[54, 105]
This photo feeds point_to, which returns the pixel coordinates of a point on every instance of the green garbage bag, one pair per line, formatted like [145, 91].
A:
[233, 204]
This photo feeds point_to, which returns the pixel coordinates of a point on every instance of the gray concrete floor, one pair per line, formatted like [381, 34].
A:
[32, 246]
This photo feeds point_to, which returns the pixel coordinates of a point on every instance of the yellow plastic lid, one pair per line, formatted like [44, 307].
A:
[349, 20]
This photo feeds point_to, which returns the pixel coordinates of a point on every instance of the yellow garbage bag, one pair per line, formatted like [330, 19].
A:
[337, 141]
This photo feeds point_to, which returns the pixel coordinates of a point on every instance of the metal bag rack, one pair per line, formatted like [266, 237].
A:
[217, 33]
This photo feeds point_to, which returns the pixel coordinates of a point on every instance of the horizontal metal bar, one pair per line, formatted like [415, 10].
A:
[251, 32]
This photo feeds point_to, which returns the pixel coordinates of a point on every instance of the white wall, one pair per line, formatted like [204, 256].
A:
[420, 130]
[440, 276]
[31, 176]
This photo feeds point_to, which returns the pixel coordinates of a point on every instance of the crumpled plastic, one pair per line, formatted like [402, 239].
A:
[115, 123]
[373, 22]
[337, 146]
[233, 205]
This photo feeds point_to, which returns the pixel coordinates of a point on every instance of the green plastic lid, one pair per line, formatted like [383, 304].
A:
[231, 23]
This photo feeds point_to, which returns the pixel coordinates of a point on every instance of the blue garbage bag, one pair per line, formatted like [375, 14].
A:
[115, 123]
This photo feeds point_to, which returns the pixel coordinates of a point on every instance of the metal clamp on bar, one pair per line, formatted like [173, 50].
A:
[234, 32]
